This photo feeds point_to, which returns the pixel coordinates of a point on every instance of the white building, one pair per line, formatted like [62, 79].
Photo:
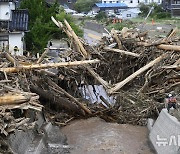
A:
[13, 24]
[130, 13]
[132, 3]
[111, 1]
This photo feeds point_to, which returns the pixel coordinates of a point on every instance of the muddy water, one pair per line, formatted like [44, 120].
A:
[94, 136]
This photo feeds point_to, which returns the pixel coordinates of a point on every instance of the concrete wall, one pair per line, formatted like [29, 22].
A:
[165, 134]
[95, 27]
[16, 39]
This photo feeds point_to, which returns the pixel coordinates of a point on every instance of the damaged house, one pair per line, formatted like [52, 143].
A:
[13, 25]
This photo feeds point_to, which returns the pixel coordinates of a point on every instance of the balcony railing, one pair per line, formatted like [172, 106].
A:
[175, 6]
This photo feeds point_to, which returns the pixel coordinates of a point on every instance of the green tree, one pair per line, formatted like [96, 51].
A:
[144, 9]
[41, 28]
[62, 15]
[158, 12]
[84, 5]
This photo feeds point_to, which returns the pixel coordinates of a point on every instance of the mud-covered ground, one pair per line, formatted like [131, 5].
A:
[95, 136]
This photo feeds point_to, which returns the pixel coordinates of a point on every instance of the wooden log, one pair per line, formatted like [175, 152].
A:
[57, 101]
[122, 51]
[76, 39]
[169, 47]
[115, 36]
[171, 34]
[70, 96]
[172, 67]
[11, 99]
[98, 78]
[177, 62]
[135, 74]
[161, 46]
[42, 56]
[61, 26]
[10, 58]
[44, 66]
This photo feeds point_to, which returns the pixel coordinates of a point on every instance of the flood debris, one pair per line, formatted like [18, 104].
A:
[127, 76]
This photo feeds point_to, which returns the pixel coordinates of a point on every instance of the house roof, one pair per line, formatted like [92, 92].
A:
[111, 5]
[19, 20]
[7, 0]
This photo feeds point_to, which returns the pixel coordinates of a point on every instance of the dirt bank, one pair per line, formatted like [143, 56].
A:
[94, 136]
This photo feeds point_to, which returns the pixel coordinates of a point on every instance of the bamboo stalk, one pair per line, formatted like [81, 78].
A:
[48, 65]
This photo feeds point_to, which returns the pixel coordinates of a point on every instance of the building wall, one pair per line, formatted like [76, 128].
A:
[131, 3]
[110, 1]
[128, 15]
[135, 3]
[5, 10]
[16, 39]
[95, 9]
[151, 1]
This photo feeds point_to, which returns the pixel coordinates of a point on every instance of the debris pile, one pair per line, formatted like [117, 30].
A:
[135, 71]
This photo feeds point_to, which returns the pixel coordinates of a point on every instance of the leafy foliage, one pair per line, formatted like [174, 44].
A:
[41, 28]
[119, 26]
[157, 13]
[101, 15]
[62, 15]
[84, 5]
[144, 9]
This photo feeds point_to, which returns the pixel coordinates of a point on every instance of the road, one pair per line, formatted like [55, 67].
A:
[92, 37]
[95, 136]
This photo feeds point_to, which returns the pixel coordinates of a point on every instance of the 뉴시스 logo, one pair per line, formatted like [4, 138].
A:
[172, 140]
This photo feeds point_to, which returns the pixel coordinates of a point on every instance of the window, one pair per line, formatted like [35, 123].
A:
[176, 2]
[104, 1]
[69, 1]
[128, 15]
[138, 1]
[131, 1]
[117, 1]
[110, 1]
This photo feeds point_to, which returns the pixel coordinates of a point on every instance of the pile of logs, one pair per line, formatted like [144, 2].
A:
[137, 71]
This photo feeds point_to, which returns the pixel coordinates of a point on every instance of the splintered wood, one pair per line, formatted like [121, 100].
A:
[136, 74]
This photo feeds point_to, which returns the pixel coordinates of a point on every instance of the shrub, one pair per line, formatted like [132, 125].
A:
[84, 5]
[100, 16]
[144, 9]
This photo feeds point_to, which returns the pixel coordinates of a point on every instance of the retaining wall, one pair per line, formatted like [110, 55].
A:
[95, 27]
[165, 134]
